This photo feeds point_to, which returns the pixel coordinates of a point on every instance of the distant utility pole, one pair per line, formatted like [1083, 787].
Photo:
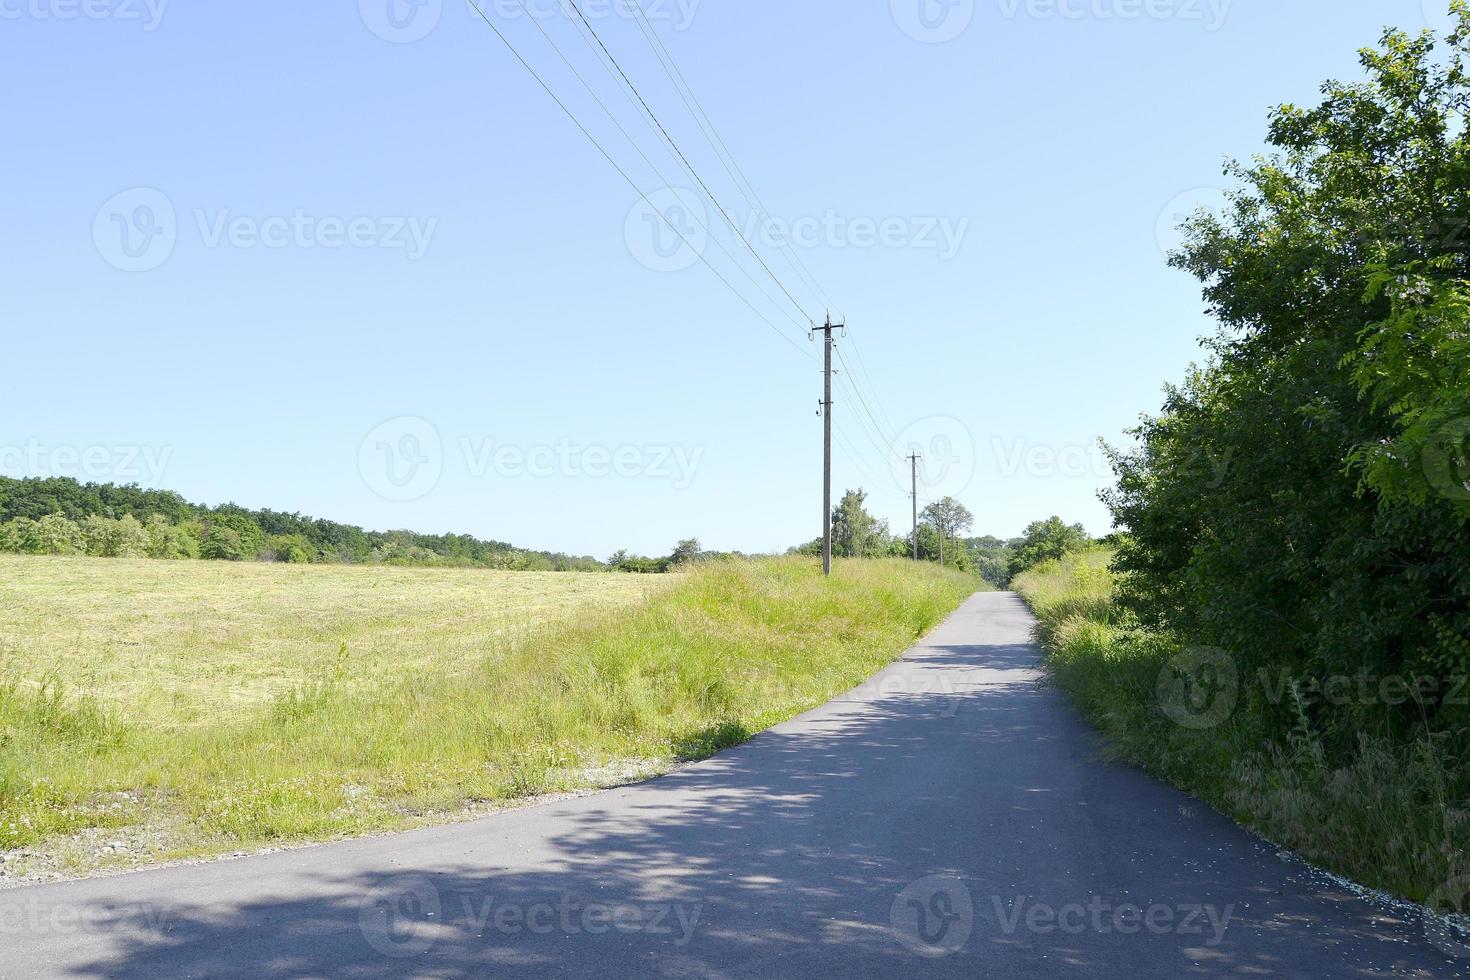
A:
[914, 470]
[827, 446]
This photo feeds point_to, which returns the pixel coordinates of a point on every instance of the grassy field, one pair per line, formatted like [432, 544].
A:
[182, 643]
[151, 711]
[1391, 817]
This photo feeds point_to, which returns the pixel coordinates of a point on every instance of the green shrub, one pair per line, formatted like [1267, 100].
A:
[1388, 812]
[55, 535]
[222, 544]
[121, 538]
[291, 548]
[171, 542]
[16, 535]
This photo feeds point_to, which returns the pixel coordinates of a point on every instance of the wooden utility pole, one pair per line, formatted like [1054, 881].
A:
[827, 446]
[914, 495]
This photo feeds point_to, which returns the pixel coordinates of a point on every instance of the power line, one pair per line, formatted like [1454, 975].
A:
[653, 166]
[873, 389]
[845, 443]
[717, 142]
[864, 403]
[742, 184]
[703, 185]
[624, 174]
[874, 437]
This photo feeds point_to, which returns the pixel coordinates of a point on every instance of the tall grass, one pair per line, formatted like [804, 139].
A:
[1391, 814]
[726, 651]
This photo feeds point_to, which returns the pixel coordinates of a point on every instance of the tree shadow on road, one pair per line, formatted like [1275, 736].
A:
[901, 831]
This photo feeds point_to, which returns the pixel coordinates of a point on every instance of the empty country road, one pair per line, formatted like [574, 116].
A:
[951, 818]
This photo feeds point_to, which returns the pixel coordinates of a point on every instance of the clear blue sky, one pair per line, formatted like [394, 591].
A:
[384, 280]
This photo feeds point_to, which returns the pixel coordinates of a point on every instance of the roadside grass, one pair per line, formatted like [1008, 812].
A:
[1391, 815]
[436, 715]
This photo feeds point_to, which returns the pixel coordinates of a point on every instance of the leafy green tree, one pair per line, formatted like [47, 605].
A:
[955, 556]
[855, 532]
[291, 548]
[686, 552]
[1046, 540]
[1298, 501]
[990, 558]
[54, 534]
[171, 542]
[124, 537]
[950, 520]
[16, 535]
[221, 543]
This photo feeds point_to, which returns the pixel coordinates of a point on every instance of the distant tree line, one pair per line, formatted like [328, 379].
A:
[60, 516]
[942, 529]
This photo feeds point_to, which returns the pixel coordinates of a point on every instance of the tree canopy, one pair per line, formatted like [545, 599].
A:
[1301, 499]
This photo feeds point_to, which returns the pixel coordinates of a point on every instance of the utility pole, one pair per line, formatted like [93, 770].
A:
[827, 446]
[914, 470]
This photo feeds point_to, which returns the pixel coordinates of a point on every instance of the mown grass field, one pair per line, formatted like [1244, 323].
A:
[181, 643]
[1392, 816]
[153, 710]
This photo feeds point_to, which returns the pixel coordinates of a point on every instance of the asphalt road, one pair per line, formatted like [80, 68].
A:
[949, 819]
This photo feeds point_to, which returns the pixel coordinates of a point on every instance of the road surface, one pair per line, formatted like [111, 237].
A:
[951, 818]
